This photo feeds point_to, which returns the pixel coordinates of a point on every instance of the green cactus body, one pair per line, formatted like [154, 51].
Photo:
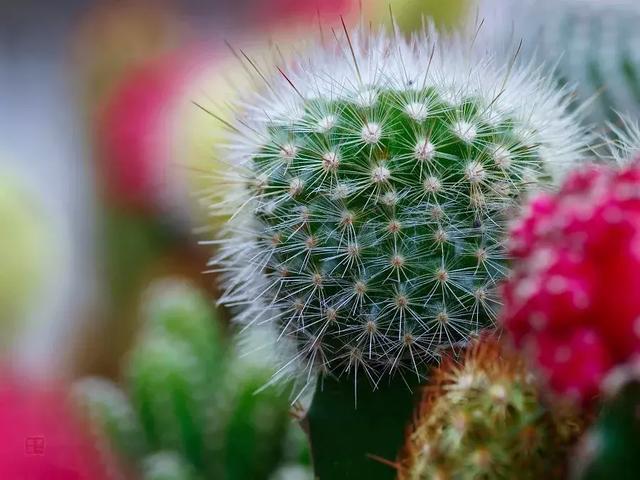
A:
[192, 411]
[373, 194]
[384, 215]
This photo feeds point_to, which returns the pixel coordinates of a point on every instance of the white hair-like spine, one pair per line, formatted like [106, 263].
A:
[374, 73]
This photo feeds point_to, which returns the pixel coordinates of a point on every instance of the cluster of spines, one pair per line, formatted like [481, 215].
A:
[186, 410]
[381, 219]
[484, 419]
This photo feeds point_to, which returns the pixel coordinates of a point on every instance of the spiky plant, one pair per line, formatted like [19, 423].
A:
[484, 419]
[189, 412]
[592, 44]
[374, 179]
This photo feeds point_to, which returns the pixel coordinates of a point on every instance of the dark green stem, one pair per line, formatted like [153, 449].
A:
[352, 437]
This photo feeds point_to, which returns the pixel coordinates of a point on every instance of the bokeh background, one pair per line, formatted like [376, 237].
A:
[103, 153]
[104, 166]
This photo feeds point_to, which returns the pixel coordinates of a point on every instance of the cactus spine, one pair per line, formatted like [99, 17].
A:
[484, 419]
[374, 180]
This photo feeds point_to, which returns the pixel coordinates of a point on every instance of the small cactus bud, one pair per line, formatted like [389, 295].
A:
[485, 418]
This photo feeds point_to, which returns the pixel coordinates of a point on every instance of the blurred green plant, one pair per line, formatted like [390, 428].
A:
[190, 408]
[611, 447]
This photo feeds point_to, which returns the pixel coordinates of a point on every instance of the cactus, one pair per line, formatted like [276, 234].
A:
[569, 249]
[374, 177]
[591, 44]
[256, 429]
[189, 411]
[111, 414]
[373, 193]
[484, 419]
[610, 448]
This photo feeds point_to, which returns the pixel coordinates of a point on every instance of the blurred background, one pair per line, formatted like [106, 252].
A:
[104, 161]
[103, 153]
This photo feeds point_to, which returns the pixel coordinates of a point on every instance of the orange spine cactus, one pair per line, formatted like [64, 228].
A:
[484, 419]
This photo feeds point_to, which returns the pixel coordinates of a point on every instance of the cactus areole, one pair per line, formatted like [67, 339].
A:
[374, 175]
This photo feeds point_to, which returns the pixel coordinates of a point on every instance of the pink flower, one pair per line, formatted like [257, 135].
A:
[283, 12]
[41, 438]
[136, 128]
[573, 300]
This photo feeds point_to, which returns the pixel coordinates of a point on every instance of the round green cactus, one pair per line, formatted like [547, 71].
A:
[375, 181]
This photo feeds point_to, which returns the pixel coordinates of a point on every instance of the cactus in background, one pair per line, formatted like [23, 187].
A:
[412, 14]
[189, 411]
[484, 419]
[373, 180]
[592, 44]
[571, 249]
[610, 448]
[255, 429]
